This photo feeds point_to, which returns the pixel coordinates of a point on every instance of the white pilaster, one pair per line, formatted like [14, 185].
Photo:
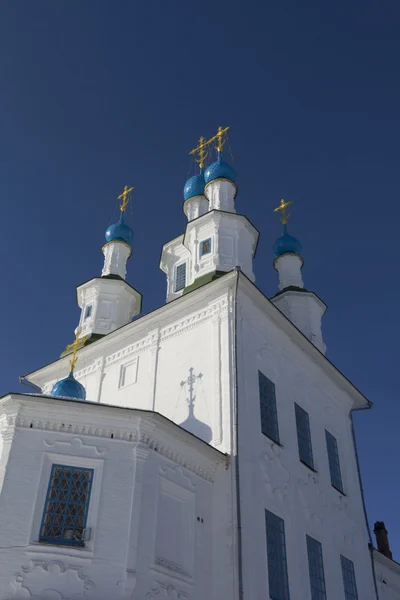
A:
[195, 207]
[221, 194]
[115, 256]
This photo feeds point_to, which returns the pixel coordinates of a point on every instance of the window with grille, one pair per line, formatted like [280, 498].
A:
[304, 436]
[276, 553]
[205, 247]
[334, 464]
[67, 503]
[180, 277]
[349, 579]
[316, 569]
[269, 416]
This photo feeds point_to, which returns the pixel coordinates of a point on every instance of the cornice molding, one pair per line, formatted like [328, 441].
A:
[142, 437]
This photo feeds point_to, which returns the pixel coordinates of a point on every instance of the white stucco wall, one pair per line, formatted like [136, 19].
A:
[155, 505]
[387, 577]
[272, 476]
[146, 365]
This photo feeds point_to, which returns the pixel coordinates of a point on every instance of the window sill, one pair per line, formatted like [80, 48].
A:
[46, 548]
[68, 543]
[308, 466]
[271, 439]
[338, 490]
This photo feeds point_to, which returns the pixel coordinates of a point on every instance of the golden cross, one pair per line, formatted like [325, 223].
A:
[220, 137]
[201, 152]
[282, 208]
[124, 197]
[77, 342]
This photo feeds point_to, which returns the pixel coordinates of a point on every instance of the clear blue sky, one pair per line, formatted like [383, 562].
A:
[99, 94]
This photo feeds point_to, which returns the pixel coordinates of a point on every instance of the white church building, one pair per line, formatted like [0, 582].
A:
[204, 451]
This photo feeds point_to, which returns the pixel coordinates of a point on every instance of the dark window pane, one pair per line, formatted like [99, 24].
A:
[316, 569]
[349, 579]
[334, 464]
[304, 436]
[180, 277]
[65, 511]
[269, 416]
[276, 553]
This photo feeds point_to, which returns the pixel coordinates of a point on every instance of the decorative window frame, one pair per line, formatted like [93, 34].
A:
[50, 459]
[122, 372]
[201, 253]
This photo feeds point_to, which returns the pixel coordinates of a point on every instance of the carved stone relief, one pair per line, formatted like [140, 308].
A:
[38, 578]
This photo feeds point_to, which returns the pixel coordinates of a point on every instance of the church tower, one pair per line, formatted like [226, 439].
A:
[202, 451]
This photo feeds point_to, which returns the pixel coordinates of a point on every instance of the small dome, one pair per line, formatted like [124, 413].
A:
[120, 232]
[286, 244]
[194, 186]
[219, 169]
[69, 388]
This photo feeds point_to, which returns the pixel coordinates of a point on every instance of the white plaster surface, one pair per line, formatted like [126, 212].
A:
[195, 361]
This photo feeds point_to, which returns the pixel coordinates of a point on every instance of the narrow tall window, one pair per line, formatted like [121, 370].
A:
[66, 507]
[349, 579]
[334, 464]
[205, 247]
[316, 569]
[269, 416]
[304, 436]
[276, 553]
[180, 277]
[88, 311]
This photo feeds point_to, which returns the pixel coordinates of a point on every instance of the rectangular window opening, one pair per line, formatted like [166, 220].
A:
[316, 569]
[349, 579]
[269, 415]
[180, 277]
[304, 436]
[334, 463]
[205, 247]
[66, 506]
[276, 554]
[88, 311]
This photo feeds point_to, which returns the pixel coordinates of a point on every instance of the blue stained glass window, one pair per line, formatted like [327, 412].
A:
[304, 436]
[316, 569]
[205, 247]
[334, 464]
[269, 416]
[66, 507]
[276, 553]
[180, 277]
[349, 579]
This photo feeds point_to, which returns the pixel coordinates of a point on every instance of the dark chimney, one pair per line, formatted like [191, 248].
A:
[382, 539]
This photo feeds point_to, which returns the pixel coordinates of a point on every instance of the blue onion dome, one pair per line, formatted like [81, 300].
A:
[286, 244]
[69, 388]
[120, 232]
[194, 186]
[219, 169]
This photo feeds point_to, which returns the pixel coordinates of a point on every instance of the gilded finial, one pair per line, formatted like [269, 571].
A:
[77, 342]
[201, 152]
[284, 216]
[220, 137]
[124, 197]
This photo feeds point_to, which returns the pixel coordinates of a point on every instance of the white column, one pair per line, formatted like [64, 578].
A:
[289, 269]
[115, 256]
[221, 195]
[195, 207]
